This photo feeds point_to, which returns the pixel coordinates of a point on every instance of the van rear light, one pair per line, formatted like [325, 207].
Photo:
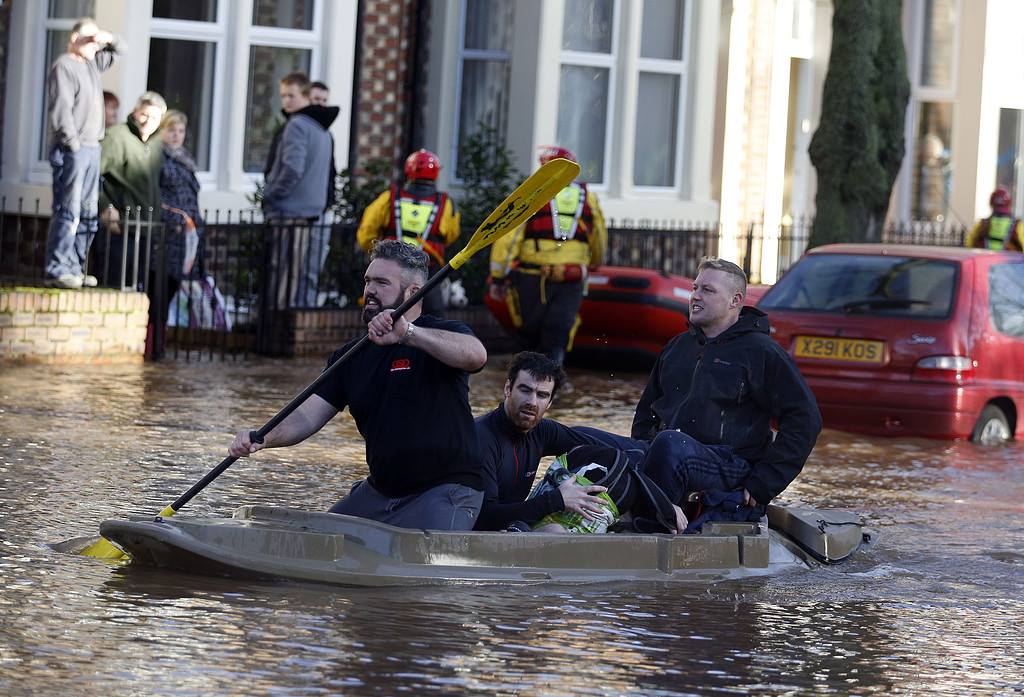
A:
[955, 369]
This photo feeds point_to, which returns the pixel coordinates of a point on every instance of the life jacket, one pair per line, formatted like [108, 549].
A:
[999, 232]
[416, 220]
[570, 209]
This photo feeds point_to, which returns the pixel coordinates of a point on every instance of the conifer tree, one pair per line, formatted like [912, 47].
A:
[858, 147]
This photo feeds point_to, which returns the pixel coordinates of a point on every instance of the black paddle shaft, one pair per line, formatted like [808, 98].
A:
[259, 435]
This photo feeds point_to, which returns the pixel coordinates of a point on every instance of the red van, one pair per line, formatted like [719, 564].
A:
[908, 340]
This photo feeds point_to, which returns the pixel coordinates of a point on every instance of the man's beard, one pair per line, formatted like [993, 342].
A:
[371, 312]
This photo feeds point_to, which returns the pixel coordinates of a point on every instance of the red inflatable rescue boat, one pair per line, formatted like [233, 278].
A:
[625, 309]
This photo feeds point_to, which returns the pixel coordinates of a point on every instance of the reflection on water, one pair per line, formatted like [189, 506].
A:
[933, 608]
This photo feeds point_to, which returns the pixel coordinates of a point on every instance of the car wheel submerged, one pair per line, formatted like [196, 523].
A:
[992, 428]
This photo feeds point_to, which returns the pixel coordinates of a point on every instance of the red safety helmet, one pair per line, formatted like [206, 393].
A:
[422, 164]
[546, 153]
[1000, 199]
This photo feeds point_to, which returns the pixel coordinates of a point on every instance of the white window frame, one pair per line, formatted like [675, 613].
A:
[462, 55]
[277, 37]
[919, 94]
[678, 68]
[215, 32]
[610, 60]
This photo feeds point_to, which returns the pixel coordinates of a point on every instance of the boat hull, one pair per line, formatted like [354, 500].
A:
[282, 543]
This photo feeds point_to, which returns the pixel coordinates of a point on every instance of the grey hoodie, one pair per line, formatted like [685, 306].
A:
[295, 185]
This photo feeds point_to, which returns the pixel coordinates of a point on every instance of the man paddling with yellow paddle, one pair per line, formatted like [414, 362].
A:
[533, 193]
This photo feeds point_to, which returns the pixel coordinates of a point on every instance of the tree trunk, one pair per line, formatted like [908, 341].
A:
[858, 147]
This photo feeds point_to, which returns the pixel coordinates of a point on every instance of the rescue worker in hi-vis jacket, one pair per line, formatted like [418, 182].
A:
[541, 269]
[1001, 230]
[418, 214]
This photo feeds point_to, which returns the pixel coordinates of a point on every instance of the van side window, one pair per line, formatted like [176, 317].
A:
[1006, 298]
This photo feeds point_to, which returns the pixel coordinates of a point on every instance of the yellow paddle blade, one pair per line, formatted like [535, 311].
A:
[104, 549]
[539, 188]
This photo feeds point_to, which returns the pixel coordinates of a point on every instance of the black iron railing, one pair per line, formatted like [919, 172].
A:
[247, 271]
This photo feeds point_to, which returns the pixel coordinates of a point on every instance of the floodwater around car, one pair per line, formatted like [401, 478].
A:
[933, 607]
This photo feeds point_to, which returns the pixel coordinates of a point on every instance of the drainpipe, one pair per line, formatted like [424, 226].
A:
[415, 74]
[357, 79]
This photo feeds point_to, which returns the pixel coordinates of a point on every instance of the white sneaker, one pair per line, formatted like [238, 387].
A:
[67, 280]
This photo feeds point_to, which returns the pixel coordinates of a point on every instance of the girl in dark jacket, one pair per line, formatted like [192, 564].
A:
[183, 226]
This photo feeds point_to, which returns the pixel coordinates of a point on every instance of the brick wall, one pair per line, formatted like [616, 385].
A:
[380, 128]
[72, 326]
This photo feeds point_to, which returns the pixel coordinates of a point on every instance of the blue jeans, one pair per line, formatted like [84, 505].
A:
[636, 450]
[76, 178]
[680, 464]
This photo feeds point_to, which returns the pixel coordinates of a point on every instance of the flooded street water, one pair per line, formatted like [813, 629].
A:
[936, 606]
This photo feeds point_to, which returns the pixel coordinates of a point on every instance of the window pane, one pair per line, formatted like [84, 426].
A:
[194, 10]
[56, 44]
[582, 117]
[1008, 154]
[190, 92]
[267, 65]
[662, 30]
[587, 26]
[1006, 298]
[933, 167]
[484, 99]
[937, 45]
[71, 9]
[489, 24]
[285, 14]
[657, 121]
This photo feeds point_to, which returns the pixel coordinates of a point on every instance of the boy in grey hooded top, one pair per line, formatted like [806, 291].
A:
[295, 185]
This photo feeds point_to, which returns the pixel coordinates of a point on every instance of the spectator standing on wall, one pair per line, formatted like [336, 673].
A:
[295, 195]
[76, 124]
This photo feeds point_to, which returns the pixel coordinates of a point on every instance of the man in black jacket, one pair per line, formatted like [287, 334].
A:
[713, 396]
[515, 436]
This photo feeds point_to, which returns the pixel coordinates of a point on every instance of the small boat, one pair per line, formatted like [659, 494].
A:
[283, 543]
[625, 309]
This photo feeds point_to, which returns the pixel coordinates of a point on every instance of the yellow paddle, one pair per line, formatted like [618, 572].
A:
[539, 188]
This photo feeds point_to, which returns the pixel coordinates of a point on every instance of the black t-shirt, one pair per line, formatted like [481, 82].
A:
[413, 411]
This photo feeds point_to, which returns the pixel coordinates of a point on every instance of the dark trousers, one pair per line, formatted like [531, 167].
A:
[680, 464]
[549, 312]
[76, 176]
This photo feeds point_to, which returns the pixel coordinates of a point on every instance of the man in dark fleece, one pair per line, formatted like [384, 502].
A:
[294, 195]
[712, 397]
[515, 436]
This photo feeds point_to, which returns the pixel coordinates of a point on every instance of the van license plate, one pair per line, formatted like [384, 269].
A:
[838, 349]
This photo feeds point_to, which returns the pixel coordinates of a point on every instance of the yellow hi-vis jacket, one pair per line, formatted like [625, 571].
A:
[997, 232]
[379, 218]
[536, 243]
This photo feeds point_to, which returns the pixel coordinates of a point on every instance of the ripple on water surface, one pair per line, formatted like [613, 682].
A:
[933, 607]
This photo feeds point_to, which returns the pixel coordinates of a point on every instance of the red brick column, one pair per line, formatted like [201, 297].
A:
[385, 61]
